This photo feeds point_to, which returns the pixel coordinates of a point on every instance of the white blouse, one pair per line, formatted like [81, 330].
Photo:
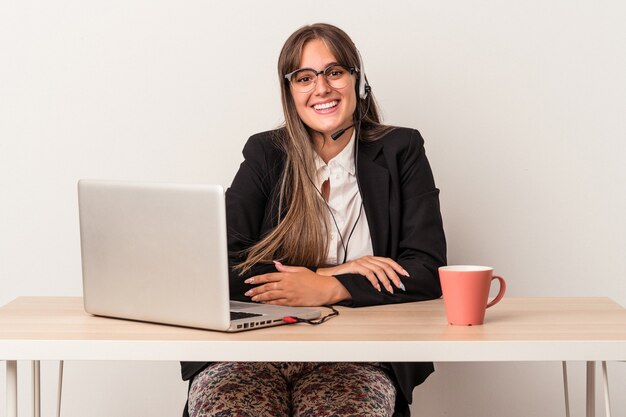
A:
[345, 203]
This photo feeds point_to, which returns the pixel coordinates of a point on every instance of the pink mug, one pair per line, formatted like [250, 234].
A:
[465, 292]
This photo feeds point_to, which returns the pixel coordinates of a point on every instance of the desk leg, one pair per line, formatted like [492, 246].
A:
[607, 399]
[37, 388]
[60, 389]
[566, 389]
[591, 389]
[11, 388]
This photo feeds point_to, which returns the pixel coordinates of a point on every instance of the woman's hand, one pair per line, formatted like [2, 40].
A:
[377, 269]
[296, 286]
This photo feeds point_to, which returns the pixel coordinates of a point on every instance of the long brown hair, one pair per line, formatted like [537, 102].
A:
[300, 238]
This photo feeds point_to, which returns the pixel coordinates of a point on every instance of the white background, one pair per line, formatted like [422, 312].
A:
[521, 103]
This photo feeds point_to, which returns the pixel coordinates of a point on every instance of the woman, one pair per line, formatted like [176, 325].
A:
[310, 224]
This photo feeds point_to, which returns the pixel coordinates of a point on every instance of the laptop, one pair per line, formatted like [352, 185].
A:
[158, 252]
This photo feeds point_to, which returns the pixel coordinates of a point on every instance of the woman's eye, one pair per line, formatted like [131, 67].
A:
[335, 73]
[305, 77]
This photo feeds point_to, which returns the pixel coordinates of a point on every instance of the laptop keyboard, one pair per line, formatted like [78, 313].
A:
[238, 315]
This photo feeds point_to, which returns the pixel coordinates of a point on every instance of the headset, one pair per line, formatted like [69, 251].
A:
[364, 87]
[364, 91]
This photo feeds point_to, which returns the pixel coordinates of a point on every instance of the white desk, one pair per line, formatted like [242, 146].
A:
[517, 329]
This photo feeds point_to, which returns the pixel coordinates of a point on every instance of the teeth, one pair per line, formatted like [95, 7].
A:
[325, 105]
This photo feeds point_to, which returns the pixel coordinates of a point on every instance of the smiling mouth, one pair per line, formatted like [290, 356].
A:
[326, 106]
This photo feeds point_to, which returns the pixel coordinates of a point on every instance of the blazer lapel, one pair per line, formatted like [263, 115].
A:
[374, 181]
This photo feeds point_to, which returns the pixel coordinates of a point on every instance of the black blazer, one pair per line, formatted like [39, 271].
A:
[401, 203]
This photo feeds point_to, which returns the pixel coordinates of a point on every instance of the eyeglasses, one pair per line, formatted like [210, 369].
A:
[304, 80]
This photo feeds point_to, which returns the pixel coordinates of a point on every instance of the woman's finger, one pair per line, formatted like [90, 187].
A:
[286, 268]
[270, 286]
[369, 274]
[262, 279]
[380, 273]
[267, 296]
[389, 271]
[396, 266]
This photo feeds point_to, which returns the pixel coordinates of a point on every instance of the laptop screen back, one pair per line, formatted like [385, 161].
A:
[155, 252]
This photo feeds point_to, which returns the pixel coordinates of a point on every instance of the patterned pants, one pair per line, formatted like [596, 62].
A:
[299, 389]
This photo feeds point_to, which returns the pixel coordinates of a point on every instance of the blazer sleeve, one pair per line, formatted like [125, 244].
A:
[247, 207]
[418, 242]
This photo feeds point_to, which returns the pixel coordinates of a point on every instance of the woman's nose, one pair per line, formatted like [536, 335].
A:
[321, 85]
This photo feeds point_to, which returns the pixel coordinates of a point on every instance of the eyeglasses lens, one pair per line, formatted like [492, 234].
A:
[337, 76]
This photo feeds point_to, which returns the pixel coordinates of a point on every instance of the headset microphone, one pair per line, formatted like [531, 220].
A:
[338, 133]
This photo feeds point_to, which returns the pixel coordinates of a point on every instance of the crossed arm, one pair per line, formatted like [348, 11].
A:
[300, 286]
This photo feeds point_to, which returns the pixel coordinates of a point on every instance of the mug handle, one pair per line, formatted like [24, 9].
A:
[500, 293]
